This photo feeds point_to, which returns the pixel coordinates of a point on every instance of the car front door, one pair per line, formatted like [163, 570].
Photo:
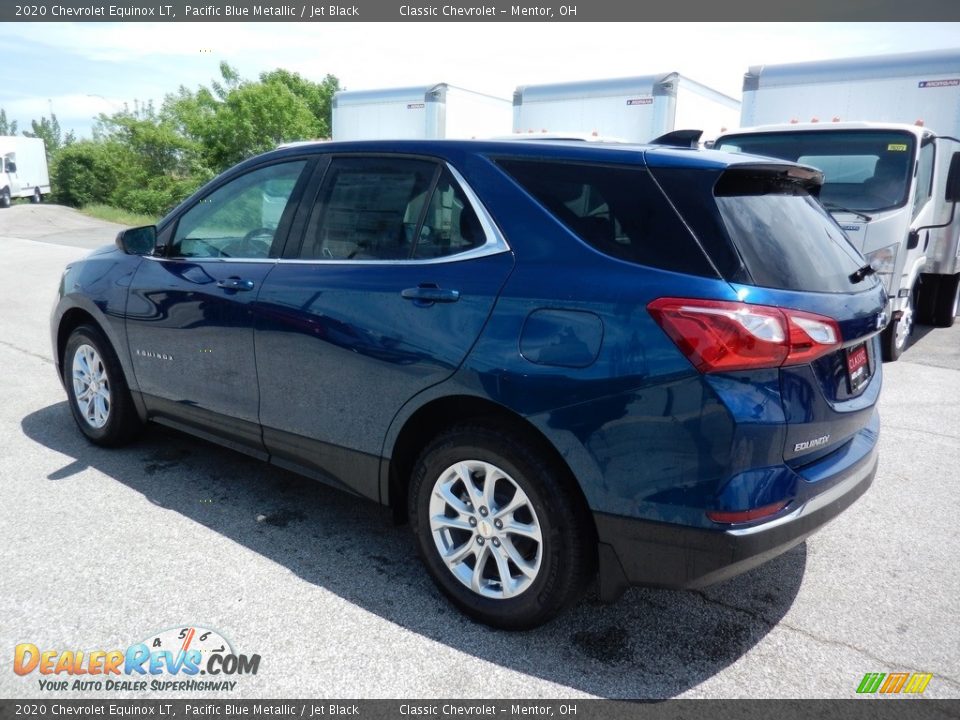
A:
[398, 270]
[189, 314]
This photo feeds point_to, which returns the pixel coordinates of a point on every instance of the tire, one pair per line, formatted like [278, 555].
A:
[926, 307]
[542, 545]
[37, 197]
[896, 336]
[5, 199]
[948, 300]
[104, 411]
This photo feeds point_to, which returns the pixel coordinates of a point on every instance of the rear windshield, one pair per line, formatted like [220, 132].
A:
[762, 227]
[785, 238]
[863, 169]
[618, 210]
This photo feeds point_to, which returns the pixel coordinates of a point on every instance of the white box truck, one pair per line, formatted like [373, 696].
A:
[884, 132]
[418, 113]
[633, 109]
[23, 173]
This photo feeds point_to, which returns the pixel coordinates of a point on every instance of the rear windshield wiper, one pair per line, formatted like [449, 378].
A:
[833, 206]
[860, 273]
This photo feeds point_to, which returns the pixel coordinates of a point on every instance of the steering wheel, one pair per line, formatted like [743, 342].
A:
[254, 244]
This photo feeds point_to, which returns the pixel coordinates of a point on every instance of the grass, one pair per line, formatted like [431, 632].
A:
[116, 215]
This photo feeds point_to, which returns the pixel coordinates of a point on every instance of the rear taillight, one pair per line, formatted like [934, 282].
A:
[720, 336]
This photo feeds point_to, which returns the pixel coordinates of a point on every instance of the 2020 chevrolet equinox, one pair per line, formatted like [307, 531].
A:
[555, 359]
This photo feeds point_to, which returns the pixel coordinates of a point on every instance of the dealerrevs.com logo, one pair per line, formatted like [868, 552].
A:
[181, 659]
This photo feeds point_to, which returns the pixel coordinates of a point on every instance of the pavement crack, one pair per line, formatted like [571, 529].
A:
[47, 360]
[881, 662]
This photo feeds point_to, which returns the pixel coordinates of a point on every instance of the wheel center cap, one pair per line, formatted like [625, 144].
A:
[485, 528]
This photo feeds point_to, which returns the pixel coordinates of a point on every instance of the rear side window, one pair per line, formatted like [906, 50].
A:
[368, 209]
[388, 208]
[784, 236]
[617, 210]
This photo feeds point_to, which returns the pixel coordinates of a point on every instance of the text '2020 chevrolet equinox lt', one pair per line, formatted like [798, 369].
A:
[552, 358]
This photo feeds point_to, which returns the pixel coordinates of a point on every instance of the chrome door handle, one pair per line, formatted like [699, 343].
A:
[428, 294]
[235, 283]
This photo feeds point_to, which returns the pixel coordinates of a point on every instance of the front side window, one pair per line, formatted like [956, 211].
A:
[866, 170]
[383, 208]
[239, 219]
[924, 177]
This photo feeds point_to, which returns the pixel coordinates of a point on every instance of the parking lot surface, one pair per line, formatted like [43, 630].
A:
[100, 549]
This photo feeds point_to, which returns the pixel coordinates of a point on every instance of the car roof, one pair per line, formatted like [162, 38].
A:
[541, 149]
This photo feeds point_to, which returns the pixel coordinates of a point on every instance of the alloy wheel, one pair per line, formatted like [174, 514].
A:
[91, 386]
[485, 529]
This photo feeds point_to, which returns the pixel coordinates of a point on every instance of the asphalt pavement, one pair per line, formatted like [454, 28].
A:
[100, 549]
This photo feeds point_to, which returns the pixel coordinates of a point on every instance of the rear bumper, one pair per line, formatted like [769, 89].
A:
[643, 552]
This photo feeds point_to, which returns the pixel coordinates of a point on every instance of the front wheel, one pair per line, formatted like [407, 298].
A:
[497, 529]
[97, 390]
[896, 336]
[5, 198]
[948, 301]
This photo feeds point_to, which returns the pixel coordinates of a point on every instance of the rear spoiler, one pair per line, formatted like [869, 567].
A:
[679, 138]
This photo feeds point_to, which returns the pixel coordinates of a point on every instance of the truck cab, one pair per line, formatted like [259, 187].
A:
[885, 185]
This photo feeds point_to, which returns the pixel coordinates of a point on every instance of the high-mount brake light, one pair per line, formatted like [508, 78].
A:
[722, 336]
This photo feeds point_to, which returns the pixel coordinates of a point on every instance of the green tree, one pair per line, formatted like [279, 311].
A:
[86, 172]
[7, 128]
[49, 131]
[234, 118]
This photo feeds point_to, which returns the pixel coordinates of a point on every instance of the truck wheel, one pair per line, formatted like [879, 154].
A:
[97, 390]
[896, 336]
[927, 293]
[948, 301]
[37, 197]
[5, 198]
[497, 529]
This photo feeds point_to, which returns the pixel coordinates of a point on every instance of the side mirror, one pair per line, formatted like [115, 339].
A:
[913, 239]
[138, 240]
[11, 167]
[952, 193]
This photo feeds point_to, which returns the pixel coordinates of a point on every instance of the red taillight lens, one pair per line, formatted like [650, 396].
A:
[720, 336]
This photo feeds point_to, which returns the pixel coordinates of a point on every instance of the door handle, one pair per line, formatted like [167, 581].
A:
[235, 283]
[429, 294]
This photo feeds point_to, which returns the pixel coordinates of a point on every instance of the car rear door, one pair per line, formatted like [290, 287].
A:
[397, 272]
[189, 314]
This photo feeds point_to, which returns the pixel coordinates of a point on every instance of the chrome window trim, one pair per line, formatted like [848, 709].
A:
[266, 260]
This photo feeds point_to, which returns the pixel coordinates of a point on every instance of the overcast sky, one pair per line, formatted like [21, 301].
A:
[81, 69]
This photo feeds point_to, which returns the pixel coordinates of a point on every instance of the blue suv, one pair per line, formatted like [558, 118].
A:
[556, 360]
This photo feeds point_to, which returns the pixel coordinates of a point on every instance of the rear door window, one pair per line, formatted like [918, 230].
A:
[390, 208]
[617, 210]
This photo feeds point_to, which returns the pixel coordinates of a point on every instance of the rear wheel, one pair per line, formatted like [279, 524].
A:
[896, 336]
[497, 530]
[97, 390]
[37, 196]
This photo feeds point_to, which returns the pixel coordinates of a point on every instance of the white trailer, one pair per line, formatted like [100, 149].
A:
[23, 169]
[418, 113]
[884, 132]
[633, 109]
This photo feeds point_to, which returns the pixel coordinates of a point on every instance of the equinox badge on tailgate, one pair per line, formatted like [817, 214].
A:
[810, 444]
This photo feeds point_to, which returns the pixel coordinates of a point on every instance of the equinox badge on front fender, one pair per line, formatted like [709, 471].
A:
[810, 444]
